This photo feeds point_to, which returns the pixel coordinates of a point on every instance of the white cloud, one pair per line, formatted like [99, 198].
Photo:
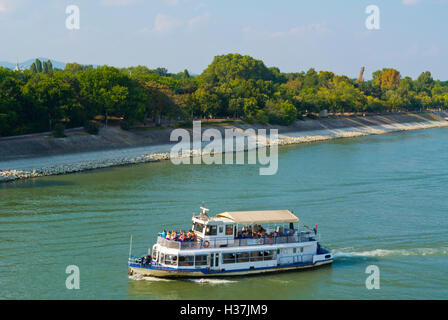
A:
[418, 50]
[311, 28]
[410, 2]
[200, 6]
[164, 23]
[5, 6]
[199, 19]
[119, 3]
[432, 51]
[173, 2]
[295, 31]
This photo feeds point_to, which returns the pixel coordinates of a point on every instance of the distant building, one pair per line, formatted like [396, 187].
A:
[17, 68]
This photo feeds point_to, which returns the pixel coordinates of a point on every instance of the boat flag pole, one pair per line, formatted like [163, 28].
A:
[130, 248]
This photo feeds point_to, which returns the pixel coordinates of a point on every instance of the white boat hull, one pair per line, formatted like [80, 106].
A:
[147, 272]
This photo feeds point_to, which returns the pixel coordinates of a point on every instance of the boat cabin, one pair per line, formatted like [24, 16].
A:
[244, 225]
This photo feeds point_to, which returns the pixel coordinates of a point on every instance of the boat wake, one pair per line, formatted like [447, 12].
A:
[154, 279]
[390, 253]
[212, 281]
[200, 281]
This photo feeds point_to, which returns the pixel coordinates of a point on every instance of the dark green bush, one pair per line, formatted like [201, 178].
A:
[184, 124]
[92, 127]
[125, 126]
[58, 131]
[262, 117]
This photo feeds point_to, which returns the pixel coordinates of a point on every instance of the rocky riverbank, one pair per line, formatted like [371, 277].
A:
[316, 130]
[11, 175]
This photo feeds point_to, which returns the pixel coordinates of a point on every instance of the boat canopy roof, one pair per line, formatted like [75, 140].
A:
[260, 217]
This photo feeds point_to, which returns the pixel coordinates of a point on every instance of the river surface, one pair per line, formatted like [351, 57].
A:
[378, 200]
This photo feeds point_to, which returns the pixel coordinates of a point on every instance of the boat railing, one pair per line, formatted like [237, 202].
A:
[136, 260]
[172, 244]
[236, 242]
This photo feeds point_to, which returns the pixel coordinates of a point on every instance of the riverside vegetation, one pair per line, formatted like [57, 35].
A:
[44, 99]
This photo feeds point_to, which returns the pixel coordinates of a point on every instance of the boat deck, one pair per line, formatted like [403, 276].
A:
[299, 237]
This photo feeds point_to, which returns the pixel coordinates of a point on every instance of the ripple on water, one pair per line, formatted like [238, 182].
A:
[377, 200]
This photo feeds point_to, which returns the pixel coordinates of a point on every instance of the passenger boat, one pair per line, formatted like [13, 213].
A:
[234, 244]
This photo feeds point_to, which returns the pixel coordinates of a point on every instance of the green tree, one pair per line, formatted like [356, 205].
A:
[424, 82]
[229, 67]
[283, 113]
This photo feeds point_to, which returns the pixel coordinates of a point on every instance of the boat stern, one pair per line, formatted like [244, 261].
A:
[323, 256]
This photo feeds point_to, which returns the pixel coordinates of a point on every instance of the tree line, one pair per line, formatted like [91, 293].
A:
[233, 85]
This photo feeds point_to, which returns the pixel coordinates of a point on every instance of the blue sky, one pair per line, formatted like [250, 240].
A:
[293, 35]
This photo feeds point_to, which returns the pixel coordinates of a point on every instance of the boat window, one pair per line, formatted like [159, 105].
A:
[228, 258]
[200, 260]
[198, 227]
[221, 229]
[269, 255]
[154, 254]
[186, 260]
[171, 259]
[256, 256]
[229, 230]
[294, 250]
[162, 258]
[211, 230]
[242, 257]
[301, 249]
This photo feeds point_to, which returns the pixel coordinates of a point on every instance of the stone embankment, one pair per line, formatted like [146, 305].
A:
[285, 138]
[80, 166]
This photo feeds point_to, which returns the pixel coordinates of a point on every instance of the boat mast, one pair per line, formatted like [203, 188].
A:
[130, 248]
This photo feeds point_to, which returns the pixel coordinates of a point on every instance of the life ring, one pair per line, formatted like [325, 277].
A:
[206, 244]
[260, 241]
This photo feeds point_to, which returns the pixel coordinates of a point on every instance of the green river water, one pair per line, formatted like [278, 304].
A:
[378, 200]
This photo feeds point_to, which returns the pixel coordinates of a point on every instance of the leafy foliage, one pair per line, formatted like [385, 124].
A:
[233, 85]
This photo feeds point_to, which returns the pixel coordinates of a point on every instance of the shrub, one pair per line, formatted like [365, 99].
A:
[184, 124]
[92, 127]
[282, 113]
[58, 131]
[262, 117]
[125, 126]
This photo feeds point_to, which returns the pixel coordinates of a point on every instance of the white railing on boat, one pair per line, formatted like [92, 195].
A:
[226, 242]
